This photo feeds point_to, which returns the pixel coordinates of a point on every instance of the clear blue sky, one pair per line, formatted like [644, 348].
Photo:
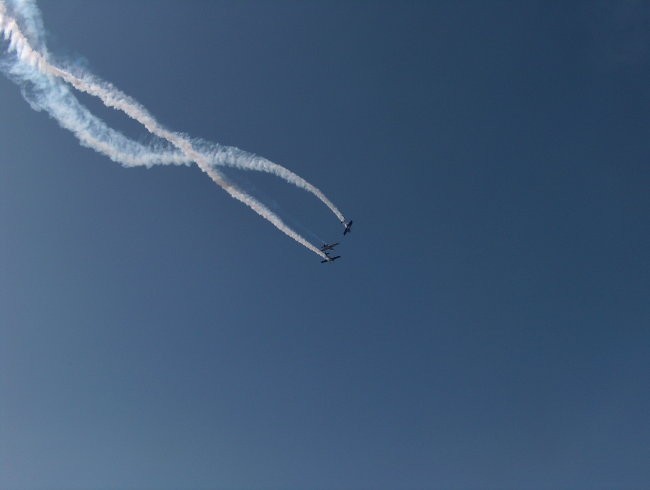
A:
[486, 328]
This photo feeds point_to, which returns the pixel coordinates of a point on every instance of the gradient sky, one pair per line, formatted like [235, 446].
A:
[486, 328]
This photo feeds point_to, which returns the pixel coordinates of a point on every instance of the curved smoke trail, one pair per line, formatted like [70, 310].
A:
[94, 133]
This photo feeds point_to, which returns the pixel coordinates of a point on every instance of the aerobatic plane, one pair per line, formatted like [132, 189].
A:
[328, 246]
[348, 227]
[330, 259]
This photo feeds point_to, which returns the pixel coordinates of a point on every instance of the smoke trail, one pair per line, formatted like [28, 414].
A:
[92, 132]
[95, 134]
[234, 157]
[52, 95]
[111, 97]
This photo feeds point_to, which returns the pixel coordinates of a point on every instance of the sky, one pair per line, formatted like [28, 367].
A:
[485, 328]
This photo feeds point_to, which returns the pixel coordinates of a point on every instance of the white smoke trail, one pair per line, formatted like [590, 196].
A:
[47, 93]
[111, 97]
[52, 95]
[234, 157]
[94, 133]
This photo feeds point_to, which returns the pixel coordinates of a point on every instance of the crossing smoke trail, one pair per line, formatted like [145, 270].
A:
[63, 106]
[53, 96]
[234, 157]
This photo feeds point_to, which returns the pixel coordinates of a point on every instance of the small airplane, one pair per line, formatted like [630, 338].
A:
[330, 259]
[328, 246]
[348, 227]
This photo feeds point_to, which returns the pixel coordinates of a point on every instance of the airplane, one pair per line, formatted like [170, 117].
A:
[330, 259]
[348, 227]
[328, 246]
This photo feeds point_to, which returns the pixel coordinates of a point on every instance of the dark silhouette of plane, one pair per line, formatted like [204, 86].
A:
[328, 246]
[348, 227]
[330, 259]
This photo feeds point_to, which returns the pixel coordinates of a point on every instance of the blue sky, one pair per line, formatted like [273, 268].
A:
[486, 327]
